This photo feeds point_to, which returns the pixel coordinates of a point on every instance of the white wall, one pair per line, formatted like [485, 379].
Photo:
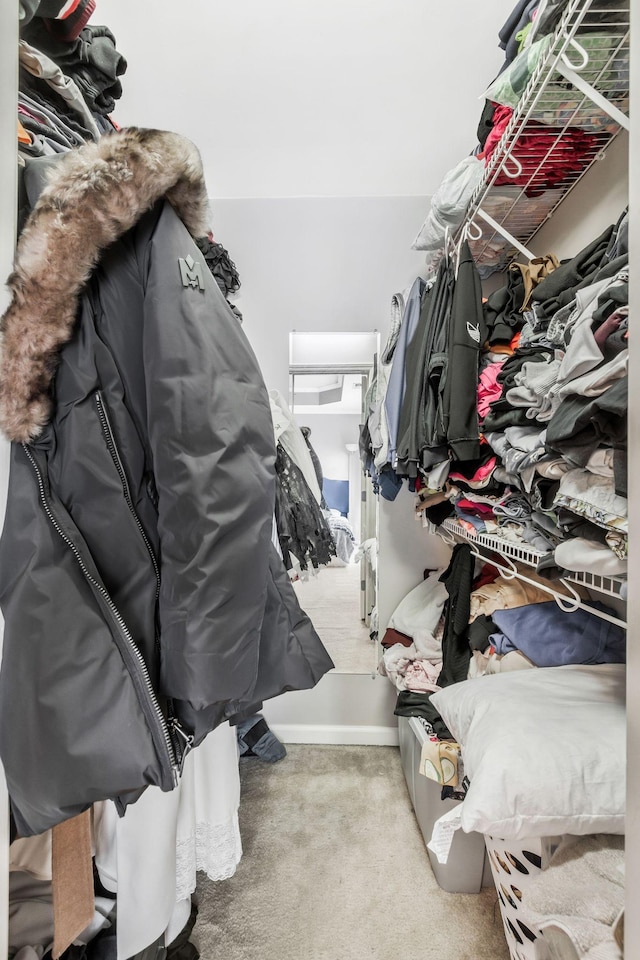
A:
[593, 204]
[313, 98]
[406, 551]
[329, 434]
[313, 264]
[330, 264]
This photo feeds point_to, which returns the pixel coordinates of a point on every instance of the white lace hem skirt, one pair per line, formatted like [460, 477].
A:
[150, 857]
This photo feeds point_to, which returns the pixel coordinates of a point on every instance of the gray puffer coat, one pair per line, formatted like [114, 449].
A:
[143, 599]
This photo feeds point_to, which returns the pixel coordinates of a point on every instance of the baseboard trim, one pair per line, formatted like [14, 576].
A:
[337, 734]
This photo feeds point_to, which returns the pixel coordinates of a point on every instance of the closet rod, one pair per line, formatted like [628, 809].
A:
[504, 232]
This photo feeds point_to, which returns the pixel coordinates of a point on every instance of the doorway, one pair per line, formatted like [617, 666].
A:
[328, 394]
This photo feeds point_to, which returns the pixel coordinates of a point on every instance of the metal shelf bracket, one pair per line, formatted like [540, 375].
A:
[505, 233]
[594, 95]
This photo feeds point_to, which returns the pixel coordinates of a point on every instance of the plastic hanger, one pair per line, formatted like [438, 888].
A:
[580, 50]
[467, 233]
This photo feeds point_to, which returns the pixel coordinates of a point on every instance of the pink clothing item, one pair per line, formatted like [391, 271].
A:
[609, 326]
[25, 113]
[394, 663]
[482, 510]
[421, 676]
[488, 388]
[501, 117]
[482, 475]
[469, 527]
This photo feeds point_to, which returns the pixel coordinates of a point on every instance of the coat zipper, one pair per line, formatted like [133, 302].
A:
[182, 743]
[144, 673]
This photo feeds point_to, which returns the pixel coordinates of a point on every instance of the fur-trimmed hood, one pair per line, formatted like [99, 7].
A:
[93, 197]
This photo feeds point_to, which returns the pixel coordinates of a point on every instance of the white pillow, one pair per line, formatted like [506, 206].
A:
[418, 613]
[544, 750]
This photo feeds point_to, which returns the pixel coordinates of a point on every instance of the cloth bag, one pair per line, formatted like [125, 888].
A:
[449, 204]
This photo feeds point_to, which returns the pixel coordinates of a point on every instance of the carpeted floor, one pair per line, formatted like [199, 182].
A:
[332, 601]
[335, 868]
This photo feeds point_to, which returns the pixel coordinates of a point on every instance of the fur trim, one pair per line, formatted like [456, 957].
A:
[95, 195]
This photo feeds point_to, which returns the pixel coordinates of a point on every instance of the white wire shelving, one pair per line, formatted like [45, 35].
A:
[523, 553]
[574, 105]
[489, 545]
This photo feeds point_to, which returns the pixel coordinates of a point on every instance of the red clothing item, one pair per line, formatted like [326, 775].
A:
[531, 151]
[501, 118]
[392, 637]
[482, 510]
[487, 575]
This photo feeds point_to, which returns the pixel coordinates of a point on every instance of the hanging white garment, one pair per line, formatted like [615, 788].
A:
[287, 431]
[374, 401]
[150, 856]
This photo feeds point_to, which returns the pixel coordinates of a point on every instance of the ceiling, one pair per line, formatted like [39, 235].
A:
[334, 393]
[322, 98]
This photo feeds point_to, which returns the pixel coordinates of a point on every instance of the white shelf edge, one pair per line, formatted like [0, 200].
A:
[609, 586]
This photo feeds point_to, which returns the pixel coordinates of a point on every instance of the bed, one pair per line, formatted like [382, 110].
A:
[336, 495]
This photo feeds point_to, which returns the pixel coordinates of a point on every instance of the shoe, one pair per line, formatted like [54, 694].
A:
[255, 739]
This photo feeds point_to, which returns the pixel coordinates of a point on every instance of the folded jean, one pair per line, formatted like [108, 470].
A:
[550, 637]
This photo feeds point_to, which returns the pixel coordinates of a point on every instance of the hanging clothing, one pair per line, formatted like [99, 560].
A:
[466, 336]
[288, 433]
[302, 528]
[315, 459]
[422, 428]
[397, 382]
[150, 857]
[374, 452]
[222, 268]
[92, 60]
[63, 20]
[141, 489]
[560, 287]
[456, 653]
[39, 65]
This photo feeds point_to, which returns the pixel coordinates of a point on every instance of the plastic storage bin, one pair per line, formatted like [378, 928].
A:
[467, 869]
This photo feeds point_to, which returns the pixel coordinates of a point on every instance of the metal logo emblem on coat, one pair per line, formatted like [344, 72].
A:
[191, 273]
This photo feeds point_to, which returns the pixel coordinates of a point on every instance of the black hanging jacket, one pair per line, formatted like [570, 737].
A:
[466, 336]
[143, 599]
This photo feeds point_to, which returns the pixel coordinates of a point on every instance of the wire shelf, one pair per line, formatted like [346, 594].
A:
[609, 586]
[575, 104]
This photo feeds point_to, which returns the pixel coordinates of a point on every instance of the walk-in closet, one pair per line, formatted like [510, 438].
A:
[318, 410]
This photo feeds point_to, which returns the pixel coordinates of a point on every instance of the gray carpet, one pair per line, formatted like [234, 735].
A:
[335, 868]
[332, 601]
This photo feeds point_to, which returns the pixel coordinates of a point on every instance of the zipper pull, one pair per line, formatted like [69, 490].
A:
[184, 745]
